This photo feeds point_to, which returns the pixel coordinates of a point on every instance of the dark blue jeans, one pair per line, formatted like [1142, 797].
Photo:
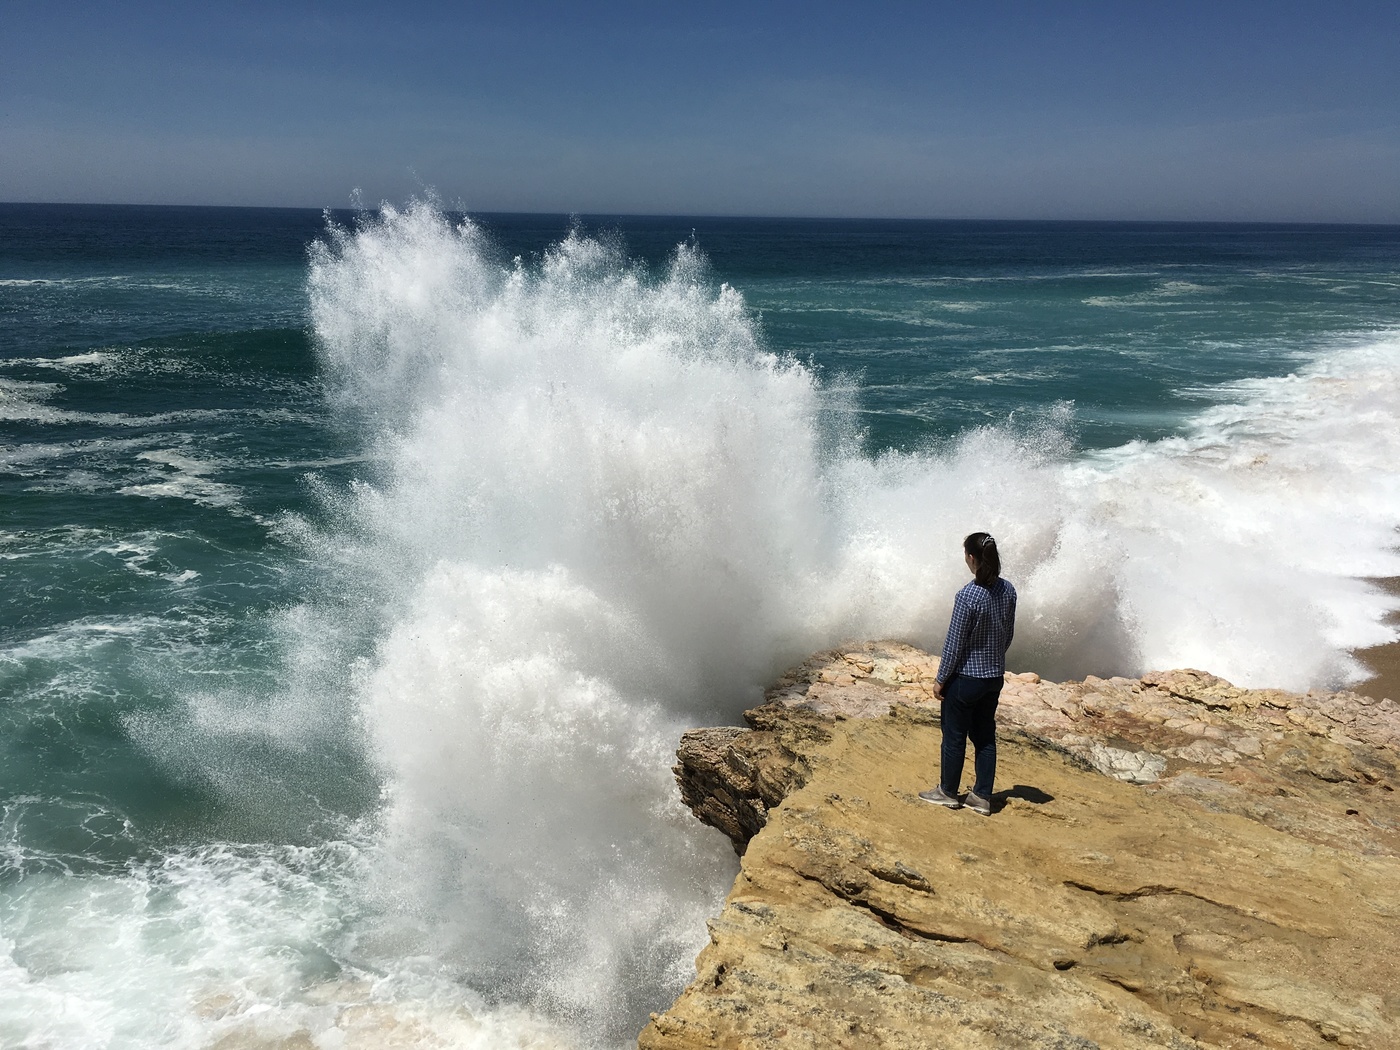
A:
[969, 710]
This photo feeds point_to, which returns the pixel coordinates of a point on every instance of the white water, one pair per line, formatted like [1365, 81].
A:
[604, 513]
[608, 513]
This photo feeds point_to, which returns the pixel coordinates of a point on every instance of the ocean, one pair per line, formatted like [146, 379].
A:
[362, 570]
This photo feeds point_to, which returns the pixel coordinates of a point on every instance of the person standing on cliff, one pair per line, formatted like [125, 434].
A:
[970, 676]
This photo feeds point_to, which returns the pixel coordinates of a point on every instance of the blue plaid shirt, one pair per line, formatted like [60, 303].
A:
[984, 619]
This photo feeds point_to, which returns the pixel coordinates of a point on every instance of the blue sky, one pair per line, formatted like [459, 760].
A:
[1249, 111]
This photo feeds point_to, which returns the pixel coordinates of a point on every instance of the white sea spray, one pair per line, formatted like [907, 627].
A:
[606, 512]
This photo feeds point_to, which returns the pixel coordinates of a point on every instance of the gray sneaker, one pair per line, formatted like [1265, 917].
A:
[978, 804]
[939, 797]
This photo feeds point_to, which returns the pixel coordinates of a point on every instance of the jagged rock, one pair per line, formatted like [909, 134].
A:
[730, 777]
[1242, 891]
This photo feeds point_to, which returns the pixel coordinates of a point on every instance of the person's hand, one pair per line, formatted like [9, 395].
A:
[937, 689]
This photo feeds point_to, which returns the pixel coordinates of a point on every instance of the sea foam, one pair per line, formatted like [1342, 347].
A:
[604, 511]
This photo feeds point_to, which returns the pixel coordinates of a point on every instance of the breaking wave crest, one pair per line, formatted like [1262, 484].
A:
[604, 511]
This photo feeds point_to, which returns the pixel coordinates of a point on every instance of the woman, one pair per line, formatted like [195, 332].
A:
[970, 676]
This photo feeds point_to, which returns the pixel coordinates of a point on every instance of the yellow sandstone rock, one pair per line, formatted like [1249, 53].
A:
[1173, 862]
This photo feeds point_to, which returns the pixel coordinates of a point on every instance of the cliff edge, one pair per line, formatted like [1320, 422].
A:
[1172, 862]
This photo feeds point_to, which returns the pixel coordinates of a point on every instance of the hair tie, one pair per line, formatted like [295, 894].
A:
[987, 540]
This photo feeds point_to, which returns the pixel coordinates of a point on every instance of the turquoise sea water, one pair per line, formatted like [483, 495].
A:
[355, 595]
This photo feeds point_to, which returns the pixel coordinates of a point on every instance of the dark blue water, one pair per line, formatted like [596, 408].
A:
[943, 325]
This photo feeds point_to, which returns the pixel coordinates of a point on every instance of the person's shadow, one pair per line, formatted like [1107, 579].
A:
[1024, 792]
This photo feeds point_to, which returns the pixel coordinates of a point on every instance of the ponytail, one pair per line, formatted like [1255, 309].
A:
[983, 550]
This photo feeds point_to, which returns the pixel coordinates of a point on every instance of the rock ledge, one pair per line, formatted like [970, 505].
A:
[1174, 862]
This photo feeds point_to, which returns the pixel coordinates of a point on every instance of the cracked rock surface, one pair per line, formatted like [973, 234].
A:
[1173, 862]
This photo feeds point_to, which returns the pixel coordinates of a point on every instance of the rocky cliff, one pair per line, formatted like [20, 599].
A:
[1173, 862]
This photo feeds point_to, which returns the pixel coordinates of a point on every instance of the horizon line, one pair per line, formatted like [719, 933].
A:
[715, 215]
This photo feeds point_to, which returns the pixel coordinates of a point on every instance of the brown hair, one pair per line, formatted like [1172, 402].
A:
[984, 552]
